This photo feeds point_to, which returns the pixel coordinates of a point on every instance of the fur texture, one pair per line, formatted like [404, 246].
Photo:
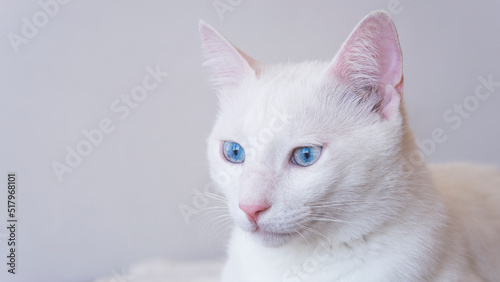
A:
[369, 209]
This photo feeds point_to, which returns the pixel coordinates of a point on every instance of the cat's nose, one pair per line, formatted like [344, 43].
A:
[253, 210]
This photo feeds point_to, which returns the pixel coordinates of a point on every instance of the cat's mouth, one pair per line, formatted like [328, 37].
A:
[271, 238]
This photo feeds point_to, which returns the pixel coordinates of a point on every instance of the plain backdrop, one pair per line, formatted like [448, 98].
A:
[122, 203]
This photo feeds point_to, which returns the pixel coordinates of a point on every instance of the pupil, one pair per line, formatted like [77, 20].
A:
[235, 151]
[306, 153]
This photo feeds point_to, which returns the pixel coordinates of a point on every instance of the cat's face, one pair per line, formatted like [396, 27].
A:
[296, 148]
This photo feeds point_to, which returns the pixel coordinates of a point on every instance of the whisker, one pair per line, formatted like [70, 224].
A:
[310, 229]
[327, 219]
[223, 226]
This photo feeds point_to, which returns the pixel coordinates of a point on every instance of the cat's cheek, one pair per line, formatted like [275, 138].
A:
[224, 174]
[251, 153]
[225, 181]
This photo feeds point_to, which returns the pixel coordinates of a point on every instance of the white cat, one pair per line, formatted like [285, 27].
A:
[323, 178]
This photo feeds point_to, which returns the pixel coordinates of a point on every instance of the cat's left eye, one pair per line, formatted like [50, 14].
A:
[306, 156]
[233, 152]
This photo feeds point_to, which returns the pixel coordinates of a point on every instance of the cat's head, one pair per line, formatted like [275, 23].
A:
[304, 149]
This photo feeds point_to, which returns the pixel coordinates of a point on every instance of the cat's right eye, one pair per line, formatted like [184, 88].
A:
[233, 152]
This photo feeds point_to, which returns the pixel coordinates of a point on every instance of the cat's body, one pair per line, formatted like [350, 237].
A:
[472, 198]
[332, 188]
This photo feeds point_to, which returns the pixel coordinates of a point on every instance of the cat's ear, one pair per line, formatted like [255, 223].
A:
[370, 63]
[231, 65]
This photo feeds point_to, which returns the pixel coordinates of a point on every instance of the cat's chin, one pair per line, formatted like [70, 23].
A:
[271, 239]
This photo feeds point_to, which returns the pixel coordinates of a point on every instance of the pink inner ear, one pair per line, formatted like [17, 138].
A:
[390, 59]
[371, 56]
[392, 100]
[230, 64]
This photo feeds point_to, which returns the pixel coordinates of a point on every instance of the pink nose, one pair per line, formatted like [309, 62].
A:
[253, 211]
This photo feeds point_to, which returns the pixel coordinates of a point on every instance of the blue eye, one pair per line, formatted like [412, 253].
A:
[233, 152]
[306, 156]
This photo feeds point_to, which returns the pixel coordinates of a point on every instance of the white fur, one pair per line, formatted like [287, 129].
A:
[366, 210]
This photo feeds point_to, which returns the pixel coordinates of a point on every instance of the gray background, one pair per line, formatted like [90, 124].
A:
[121, 204]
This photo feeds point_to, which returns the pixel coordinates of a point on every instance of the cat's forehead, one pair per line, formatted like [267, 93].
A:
[290, 80]
[285, 87]
[283, 100]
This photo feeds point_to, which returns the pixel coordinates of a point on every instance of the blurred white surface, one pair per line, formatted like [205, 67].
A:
[160, 270]
[121, 203]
